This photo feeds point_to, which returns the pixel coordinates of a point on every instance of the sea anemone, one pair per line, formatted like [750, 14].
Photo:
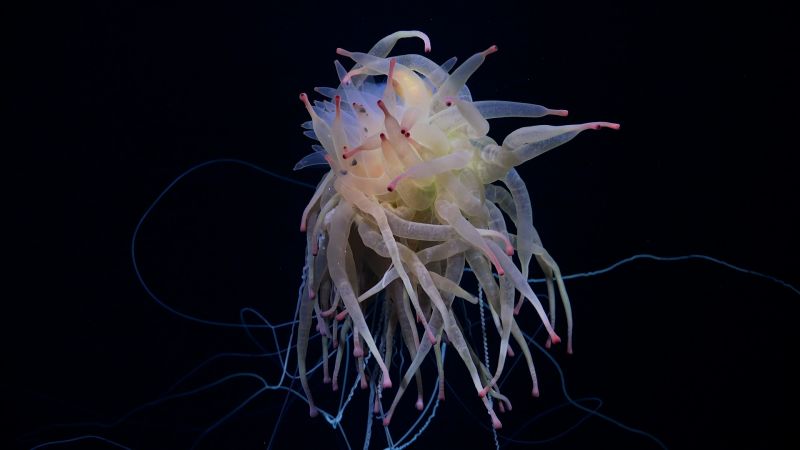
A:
[409, 201]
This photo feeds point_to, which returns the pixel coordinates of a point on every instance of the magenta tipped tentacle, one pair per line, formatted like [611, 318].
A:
[496, 424]
[598, 125]
[376, 405]
[393, 185]
[387, 381]
[304, 99]
[386, 112]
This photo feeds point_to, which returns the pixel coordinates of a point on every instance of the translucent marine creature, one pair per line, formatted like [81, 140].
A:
[410, 200]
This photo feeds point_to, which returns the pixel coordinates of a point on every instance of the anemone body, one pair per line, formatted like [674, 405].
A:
[416, 192]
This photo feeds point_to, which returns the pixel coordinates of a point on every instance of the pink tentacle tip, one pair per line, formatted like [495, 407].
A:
[363, 383]
[598, 125]
[311, 293]
[560, 112]
[358, 352]
[334, 386]
[535, 391]
[393, 185]
[343, 52]
[326, 380]
[426, 41]
[482, 393]
[382, 106]
[496, 424]
[313, 411]
[509, 250]
[569, 348]
[387, 382]
[350, 152]
[555, 338]
[496, 264]
[510, 352]
[340, 317]
[419, 405]
[490, 50]
[387, 420]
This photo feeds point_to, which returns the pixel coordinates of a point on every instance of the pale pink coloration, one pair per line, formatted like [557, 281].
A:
[397, 218]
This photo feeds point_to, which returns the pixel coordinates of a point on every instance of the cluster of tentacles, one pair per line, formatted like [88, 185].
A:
[408, 202]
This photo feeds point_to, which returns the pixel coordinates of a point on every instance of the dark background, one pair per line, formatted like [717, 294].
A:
[111, 101]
